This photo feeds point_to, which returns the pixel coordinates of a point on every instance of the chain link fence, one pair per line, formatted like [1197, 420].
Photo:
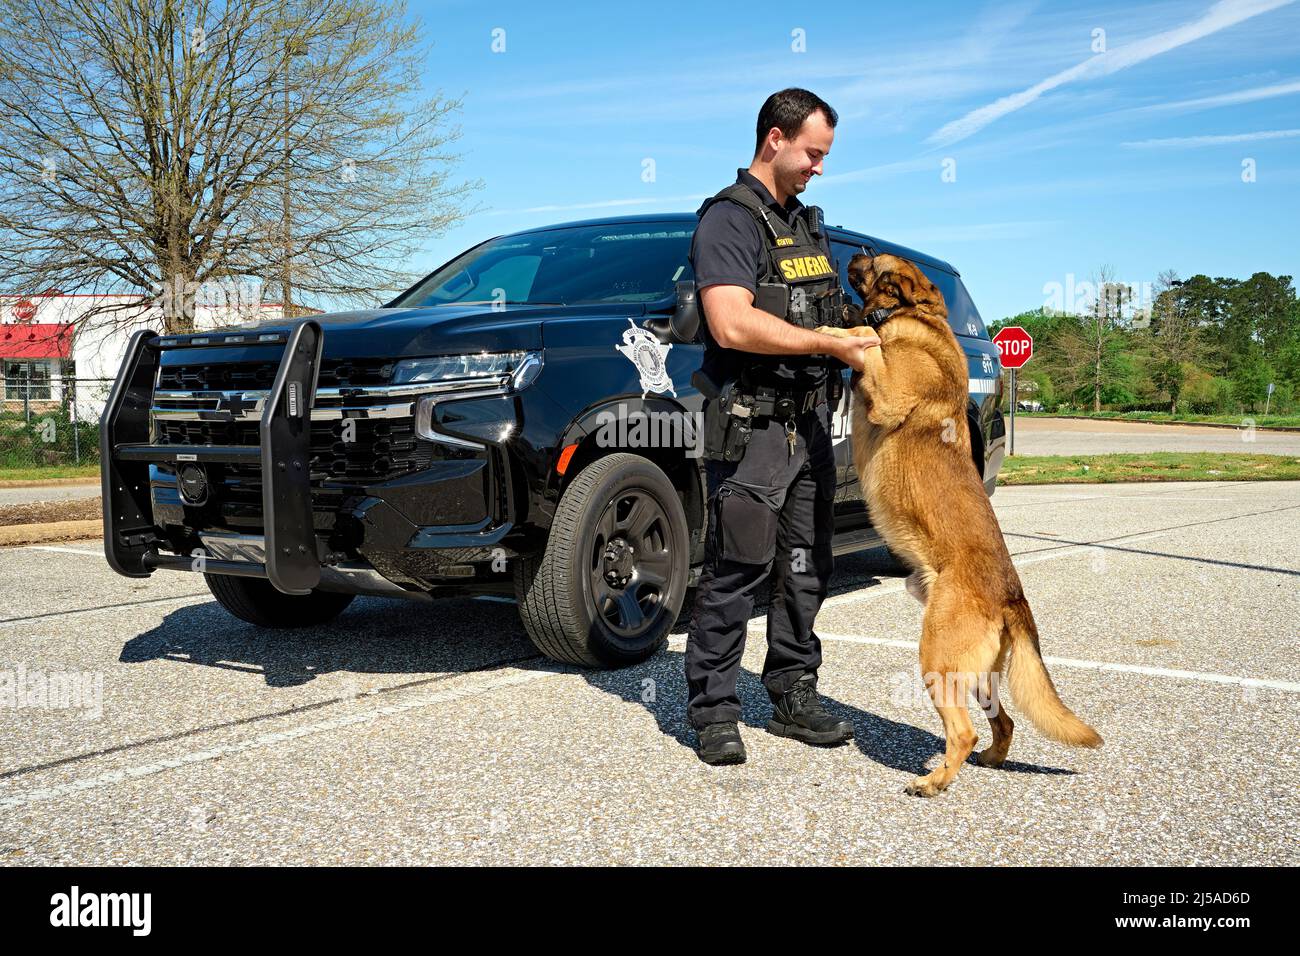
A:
[48, 425]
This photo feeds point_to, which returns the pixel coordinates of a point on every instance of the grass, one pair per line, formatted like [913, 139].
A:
[1152, 466]
[54, 471]
[1018, 470]
[1261, 421]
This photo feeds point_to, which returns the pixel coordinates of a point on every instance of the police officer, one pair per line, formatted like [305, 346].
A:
[766, 279]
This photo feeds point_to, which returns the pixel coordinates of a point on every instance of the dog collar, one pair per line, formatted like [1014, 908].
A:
[877, 318]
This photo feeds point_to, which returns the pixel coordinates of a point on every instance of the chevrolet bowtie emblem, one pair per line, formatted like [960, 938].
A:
[235, 404]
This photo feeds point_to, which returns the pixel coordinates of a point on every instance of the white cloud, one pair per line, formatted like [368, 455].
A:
[1220, 16]
[1181, 141]
[1227, 99]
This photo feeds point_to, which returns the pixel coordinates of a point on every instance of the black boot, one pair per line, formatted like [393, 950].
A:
[720, 743]
[800, 714]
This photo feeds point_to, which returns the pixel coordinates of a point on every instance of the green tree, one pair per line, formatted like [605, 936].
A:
[1263, 309]
[1213, 344]
[1251, 377]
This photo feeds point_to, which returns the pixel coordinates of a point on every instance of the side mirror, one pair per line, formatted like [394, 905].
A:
[685, 320]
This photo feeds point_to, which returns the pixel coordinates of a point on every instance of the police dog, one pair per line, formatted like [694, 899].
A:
[912, 450]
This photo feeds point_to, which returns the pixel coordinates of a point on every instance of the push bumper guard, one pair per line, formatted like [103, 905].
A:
[132, 540]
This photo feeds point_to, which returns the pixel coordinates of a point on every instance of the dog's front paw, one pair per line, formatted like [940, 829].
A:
[831, 330]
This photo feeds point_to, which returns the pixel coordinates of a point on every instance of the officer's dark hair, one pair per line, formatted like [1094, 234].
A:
[787, 110]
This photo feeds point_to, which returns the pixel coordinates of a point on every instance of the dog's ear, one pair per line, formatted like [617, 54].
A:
[903, 282]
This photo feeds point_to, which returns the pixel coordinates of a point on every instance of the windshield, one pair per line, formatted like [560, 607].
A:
[624, 262]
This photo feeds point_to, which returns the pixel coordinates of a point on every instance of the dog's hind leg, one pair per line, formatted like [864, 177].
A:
[956, 647]
[999, 720]
[948, 691]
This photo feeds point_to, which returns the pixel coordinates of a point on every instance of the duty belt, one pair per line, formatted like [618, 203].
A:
[784, 404]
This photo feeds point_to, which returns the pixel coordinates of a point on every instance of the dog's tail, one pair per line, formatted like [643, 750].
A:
[1031, 686]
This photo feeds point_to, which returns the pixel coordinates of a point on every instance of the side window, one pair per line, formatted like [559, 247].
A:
[962, 314]
[971, 320]
[842, 252]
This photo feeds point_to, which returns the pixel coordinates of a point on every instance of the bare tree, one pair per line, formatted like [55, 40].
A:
[1173, 339]
[150, 146]
[1090, 347]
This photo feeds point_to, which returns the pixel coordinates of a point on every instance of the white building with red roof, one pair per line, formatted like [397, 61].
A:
[58, 349]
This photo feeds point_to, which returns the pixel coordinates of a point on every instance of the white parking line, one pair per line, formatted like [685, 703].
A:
[1174, 497]
[1203, 676]
[759, 629]
[269, 739]
[131, 605]
[1017, 497]
[47, 547]
[1019, 560]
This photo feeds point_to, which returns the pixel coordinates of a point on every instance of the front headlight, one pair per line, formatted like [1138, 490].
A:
[483, 369]
[470, 377]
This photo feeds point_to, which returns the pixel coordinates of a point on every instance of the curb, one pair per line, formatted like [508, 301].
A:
[19, 534]
[48, 482]
[1134, 481]
[1148, 421]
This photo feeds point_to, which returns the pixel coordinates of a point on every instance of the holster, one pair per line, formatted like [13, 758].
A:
[728, 424]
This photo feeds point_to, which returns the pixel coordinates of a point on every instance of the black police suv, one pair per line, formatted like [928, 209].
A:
[520, 422]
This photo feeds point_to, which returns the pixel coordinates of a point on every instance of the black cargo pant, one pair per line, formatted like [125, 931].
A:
[771, 513]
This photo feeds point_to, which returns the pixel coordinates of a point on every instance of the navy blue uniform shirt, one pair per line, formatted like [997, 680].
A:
[728, 248]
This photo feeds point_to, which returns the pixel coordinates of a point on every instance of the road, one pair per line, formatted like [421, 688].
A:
[412, 734]
[22, 496]
[1034, 436]
[1077, 436]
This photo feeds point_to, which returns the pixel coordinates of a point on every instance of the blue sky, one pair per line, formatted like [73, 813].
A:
[1065, 159]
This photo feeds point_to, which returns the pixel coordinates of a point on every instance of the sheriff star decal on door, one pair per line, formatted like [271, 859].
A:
[650, 356]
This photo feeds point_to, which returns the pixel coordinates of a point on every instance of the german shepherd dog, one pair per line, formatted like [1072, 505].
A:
[912, 450]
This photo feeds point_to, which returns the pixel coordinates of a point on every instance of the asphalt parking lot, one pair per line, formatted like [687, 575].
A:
[436, 734]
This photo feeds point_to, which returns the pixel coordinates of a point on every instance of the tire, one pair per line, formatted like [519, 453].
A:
[256, 601]
[610, 584]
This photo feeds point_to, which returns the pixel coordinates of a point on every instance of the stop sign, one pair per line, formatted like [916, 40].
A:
[1015, 345]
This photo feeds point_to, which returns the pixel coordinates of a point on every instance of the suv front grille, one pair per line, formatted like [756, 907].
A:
[222, 403]
[218, 403]
[354, 373]
[212, 378]
[232, 376]
[381, 448]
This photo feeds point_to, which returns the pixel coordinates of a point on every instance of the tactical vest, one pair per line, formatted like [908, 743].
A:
[800, 284]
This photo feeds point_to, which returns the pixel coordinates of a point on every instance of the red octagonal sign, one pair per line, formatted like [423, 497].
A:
[1015, 345]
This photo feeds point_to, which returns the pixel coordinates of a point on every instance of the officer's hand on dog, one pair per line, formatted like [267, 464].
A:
[852, 350]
